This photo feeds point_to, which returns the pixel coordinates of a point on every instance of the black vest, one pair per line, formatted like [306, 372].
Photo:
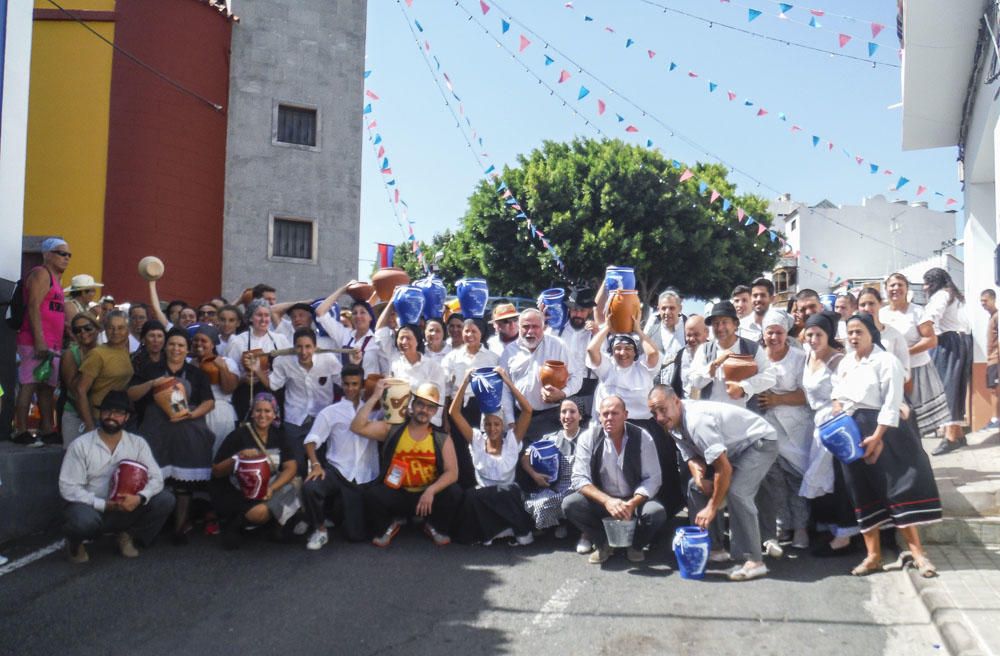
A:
[632, 465]
[747, 347]
[388, 449]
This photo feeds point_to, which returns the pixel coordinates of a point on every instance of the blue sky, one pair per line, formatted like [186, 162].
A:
[844, 101]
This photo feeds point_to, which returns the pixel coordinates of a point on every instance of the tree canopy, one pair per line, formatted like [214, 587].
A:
[601, 203]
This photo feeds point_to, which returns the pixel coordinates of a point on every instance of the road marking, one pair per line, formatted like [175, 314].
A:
[554, 609]
[32, 557]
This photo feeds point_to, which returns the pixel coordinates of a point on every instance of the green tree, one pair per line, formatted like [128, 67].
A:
[604, 202]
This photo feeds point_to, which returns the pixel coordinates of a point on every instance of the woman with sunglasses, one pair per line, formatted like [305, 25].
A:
[85, 329]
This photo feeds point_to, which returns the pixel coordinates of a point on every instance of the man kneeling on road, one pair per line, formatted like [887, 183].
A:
[740, 446]
[418, 469]
[616, 473]
[84, 480]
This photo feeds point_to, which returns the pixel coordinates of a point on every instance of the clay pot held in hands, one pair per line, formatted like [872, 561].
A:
[623, 310]
[387, 279]
[151, 268]
[554, 373]
[738, 368]
[360, 291]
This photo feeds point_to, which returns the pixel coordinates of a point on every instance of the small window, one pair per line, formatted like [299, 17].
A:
[296, 125]
[293, 239]
[792, 224]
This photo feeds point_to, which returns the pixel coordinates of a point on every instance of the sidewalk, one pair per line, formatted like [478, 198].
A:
[964, 599]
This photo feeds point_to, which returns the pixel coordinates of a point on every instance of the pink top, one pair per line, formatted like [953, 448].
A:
[53, 316]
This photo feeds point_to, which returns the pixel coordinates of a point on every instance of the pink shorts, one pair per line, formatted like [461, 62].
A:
[26, 369]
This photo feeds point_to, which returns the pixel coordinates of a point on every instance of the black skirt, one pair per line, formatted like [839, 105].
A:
[953, 361]
[899, 489]
[486, 511]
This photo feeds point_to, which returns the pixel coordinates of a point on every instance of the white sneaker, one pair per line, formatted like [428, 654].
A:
[317, 540]
[584, 546]
[719, 556]
[524, 540]
[560, 533]
[772, 549]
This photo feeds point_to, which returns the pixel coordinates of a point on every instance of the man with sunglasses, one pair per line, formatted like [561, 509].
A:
[40, 339]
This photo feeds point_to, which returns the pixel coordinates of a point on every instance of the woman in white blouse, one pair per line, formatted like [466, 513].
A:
[786, 410]
[953, 356]
[436, 347]
[924, 392]
[257, 337]
[495, 507]
[410, 364]
[893, 483]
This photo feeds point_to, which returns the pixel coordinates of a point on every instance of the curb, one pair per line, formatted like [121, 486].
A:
[950, 621]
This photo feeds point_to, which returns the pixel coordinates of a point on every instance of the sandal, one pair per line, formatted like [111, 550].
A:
[868, 566]
[748, 572]
[925, 567]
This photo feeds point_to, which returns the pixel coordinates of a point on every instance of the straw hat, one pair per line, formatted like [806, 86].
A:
[81, 282]
[428, 392]
[504, 311]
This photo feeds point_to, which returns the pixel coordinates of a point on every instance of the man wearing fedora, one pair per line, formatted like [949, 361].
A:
[504, 319]
[576, 334]
[418, 469]
[708, 367]
[82, 291]
[40, 337]
[85, 478]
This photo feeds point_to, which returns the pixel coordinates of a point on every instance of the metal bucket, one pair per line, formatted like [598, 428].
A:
[620, 532]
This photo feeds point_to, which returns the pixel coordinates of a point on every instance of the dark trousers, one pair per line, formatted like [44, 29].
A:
[82, 522]
[671, 494]
[383, 504]
[296, 435]
[487, 511]
[588, 516]
[317, 493]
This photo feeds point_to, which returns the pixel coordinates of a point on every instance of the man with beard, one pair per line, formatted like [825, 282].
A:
[84, 480]
[505, 323]
[708, 370]
[576, 334]
[667, 330]
[418, 469]
[761, 295]
[523, 360]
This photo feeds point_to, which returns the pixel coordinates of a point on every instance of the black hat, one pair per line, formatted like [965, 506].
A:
[722, 309]
[300, 306]
[115, 400]
[582, 298]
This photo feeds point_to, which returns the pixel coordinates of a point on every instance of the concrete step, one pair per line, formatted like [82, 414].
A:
[965, 531]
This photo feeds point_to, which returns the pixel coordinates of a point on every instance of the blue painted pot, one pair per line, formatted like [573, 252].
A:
[556, 312]
[333, 312]
[842, 437]
[691, 546]
[472, 296]
[409, 304]
[487, 385]
[434, 295]
[828, 301]
[619, 277]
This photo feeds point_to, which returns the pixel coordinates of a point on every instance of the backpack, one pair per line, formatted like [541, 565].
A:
[16, 308]
[543, 456]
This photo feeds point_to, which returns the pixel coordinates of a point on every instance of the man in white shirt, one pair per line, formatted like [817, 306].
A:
[845, 305]
[675, 373]
[616, 473]
[667, 330]
[137, 317]
[85, 478]
[761, 295]
[504, 319]
[576, 334]
[708, 372]
[740, 448]
[351, 464]
[523, 360]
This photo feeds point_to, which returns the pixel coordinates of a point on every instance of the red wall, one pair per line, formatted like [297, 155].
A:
[167, 149]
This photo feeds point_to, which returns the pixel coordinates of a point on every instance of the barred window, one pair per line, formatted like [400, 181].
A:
[292, 238]
[296, 125]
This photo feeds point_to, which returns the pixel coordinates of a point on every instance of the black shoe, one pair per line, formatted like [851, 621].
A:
[52, 438]
[24, 438]
[946, 446]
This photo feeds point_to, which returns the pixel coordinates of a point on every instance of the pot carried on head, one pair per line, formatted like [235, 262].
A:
[387, 279]
[623, 310]
[434, 295]
[409, 304]
[472, 296]
[619, 277]
[395, 400]
[487, 385]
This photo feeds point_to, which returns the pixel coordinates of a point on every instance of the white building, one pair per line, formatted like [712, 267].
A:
[15, 64]
[830, 243]
[950, 83]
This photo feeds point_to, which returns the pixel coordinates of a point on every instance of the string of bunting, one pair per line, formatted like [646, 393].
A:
[393, 194]
[711, 87]
[474, 138]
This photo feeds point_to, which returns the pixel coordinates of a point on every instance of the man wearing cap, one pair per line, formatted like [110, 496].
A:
[91, 466]
[418, 469]
[504, 318]
[616, 473]
[40, 338]
[666, 331]
[708, 368]
[740, 447]
[81, 293]
[576, 334]
[761, 295]
[523, 359]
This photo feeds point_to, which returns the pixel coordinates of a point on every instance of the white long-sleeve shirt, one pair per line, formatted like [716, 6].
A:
[947, 313]
[459, 360]
[874, 382]
[247, 341]
[88, 466]
[354, 456]
[307, 391]
[524, 367]
[699, 377]
[612, 471]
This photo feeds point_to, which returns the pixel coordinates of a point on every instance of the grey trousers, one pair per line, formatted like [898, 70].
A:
[83, 522]
[587, 516]
[749, 470]
[778, 502]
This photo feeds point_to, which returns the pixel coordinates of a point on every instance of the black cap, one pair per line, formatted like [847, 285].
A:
[582, 298]
[115, 400]
[722, 309]
[300, 306]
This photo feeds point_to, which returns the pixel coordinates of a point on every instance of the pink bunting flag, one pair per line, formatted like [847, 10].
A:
[525, 42]
[692, 74]
[381, 151]
[762, 112]
[600, 107]
[732, 96]
[887, 172]
[651, 53]
[687, 175]
[715, 196]
[951, 201]
[564, 76]
[371, 94]
[761, 229]
[859, 160]
[740, 213]
[397, 197]
[506, 193]
[516, 207]
[631, 128]
[817, 12]
[795, 129]
[409, 3]
[371, 125]
[387, 171]
[829, 145]
[485, 7]
[921, 189]
[844, 39]
[876, 28]
[427, 46]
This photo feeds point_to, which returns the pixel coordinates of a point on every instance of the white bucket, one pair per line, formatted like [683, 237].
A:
[620, 532]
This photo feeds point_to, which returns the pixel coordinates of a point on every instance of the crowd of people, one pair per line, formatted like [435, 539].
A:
[718, 414]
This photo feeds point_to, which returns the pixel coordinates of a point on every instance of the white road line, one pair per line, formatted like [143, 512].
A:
[32, 557]
[554, 609]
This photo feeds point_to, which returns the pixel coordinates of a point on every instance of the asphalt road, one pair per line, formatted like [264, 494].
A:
[414, 599]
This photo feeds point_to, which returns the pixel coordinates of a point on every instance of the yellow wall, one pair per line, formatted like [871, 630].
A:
[68, 104]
